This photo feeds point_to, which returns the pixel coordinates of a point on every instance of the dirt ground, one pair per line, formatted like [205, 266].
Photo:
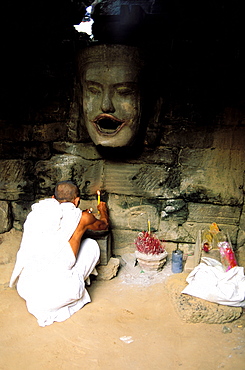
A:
[130, 324]
[125, 327]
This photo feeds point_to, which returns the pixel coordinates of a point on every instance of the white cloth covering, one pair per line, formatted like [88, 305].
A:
[51, 279]
[211, 282]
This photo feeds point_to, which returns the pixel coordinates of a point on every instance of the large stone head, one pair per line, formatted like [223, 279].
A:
[109, 76]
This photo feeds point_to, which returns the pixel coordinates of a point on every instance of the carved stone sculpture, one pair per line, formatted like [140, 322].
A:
[109, 76]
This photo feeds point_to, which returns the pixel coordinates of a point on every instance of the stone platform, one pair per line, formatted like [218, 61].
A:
[192, 309]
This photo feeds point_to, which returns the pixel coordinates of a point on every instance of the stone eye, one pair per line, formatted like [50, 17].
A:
[125, 90]
[93, 89]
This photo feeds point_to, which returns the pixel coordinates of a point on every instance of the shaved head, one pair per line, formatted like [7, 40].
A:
[66, 191]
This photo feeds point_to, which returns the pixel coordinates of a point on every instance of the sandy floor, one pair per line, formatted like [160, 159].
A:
[128, 325]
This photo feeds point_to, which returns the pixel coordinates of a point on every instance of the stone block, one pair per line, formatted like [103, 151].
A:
[36, 151]
[208, 159]
[159, 155]
[173, 206]
[229, 137]
[20, 210]
[208, 213]
[241, 231]
[16, 179]
[103, 238]
[241, 239]
[242, 218]
[187, 249]
[75, 131]
[179, 135]
[49, 132]
[123, 241]
[105, 249]
[109, 271]
[86, 151]
[130, 213]
[240, 255]
[5, 217]
[212, 175]
[24, 150]
[9, 246]
[172, 231]
[141, 180]
[87, 174]
[15, 133]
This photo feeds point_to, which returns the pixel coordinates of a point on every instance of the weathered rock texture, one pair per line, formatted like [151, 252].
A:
[109, 271]
[192, 309]
[189, 171]
[9, 246]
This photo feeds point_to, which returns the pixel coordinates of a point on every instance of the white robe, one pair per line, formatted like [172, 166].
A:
[51, 279]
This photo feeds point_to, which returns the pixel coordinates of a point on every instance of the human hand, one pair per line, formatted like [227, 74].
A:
[102, 207]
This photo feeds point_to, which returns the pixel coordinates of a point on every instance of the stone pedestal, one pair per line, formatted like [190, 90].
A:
[151, 262]
[103, 238]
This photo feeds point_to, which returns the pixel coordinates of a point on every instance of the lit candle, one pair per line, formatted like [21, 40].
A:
[149, 226]
[98, 193]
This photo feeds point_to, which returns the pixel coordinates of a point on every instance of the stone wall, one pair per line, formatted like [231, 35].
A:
[190, 171]
[180, 187]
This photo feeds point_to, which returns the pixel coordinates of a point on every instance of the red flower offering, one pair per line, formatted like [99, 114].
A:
[148, 243]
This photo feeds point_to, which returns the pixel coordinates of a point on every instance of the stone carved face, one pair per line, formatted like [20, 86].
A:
[111, 99]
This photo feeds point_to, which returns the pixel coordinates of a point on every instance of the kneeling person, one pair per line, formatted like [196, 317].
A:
[53, 261]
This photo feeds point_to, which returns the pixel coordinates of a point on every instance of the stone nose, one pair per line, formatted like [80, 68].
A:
[107, 104]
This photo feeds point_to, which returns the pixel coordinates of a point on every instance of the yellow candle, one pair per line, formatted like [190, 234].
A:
[98, 193]
[149, 226]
